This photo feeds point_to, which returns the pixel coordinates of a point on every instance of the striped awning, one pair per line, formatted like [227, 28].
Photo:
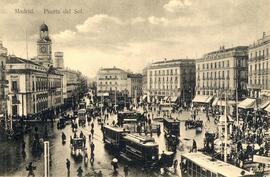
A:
[267, 108]
[202, 99]
[264, 104]
[248, 103]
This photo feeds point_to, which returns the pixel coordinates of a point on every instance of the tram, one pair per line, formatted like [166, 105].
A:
[171, 127]
[140, 149]
[198, 164]
[129, 117]
[82, 116]
[113, 136]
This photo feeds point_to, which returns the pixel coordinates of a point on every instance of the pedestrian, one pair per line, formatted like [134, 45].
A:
[68, 166]
[115, 165]
[89, 136]
[126, 169]
[92, 125]
[194, 146]
[92, 158]
[84, 140]
[30, 168]
[175, 163]
[92, 132]
[92, 147]
[99, 173]
[81, 134]
[79, 172]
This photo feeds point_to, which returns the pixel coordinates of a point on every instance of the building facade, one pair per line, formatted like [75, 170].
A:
[171, 78]
[111, 79]
[3, 82]
[32, 87]
[224, 69]
[259, 68]
[28, 90]
[134, 85]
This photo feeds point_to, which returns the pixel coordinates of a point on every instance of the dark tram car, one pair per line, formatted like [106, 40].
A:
[113, 136]
[171, 127]
[141, 150]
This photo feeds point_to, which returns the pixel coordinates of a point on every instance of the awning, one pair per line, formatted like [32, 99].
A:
[267, 108]
[202, 98]
[222, 103]
[264, 104]
[165, 98]
[247, 103]
[144, 97]
[209, 99]
[215, 102]
[174, 99]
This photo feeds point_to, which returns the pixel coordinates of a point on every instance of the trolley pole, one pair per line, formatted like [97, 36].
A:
[46, 159]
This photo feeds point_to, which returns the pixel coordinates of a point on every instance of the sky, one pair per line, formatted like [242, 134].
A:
[130, 34]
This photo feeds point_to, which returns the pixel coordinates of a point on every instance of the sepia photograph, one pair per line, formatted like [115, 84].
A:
[134, 88]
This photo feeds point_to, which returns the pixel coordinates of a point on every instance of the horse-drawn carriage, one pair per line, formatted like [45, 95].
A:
[61, 123]
[77, 147]
[197, 124]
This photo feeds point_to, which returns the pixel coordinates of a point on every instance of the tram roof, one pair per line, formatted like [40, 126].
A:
[142, 140]
[217, 166]
[171, 120]
[128, 112]
[116, 129]
[81, 110]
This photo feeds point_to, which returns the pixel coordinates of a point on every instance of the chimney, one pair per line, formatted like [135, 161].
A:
[264, 34]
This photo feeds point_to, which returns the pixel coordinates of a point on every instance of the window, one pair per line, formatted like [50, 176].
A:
[14, 110]
[14, 85]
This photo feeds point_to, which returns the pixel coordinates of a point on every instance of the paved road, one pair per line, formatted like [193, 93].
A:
[15, 163]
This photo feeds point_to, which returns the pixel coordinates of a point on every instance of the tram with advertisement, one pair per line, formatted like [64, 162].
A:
[198, 164]
[171, 127]
[113, 136]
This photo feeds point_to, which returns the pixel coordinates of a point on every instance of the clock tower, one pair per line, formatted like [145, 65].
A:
[44, 47]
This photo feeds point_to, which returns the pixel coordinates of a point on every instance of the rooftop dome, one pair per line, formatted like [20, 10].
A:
[43, 27]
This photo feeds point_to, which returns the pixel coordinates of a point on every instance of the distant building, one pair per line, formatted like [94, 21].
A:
[3, 82]
[59, 60]
[116, 86]
[171, 80]
[111, 79]
[259, 67]
[134, 85]
[220, 71]
[71, 83]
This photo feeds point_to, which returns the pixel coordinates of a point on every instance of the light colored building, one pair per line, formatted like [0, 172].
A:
[32, 87]
[134, 85]
[259, 68]
[59, 60]
[171, 78]
[111, 79]
[71, 83]
[224, 69]
[3, 82]
[28, 89]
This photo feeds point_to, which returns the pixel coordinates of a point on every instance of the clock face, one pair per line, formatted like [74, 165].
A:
[43, 49]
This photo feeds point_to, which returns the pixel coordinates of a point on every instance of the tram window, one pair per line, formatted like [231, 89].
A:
[214, 175]
[208, 173]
